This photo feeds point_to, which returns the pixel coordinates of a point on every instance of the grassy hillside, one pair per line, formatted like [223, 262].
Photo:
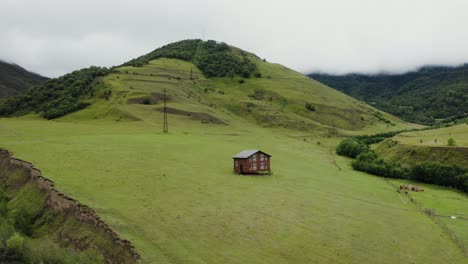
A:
[429, 96]
[412, 148]
[15, 79]
[208, 75]
[279, 99]
[175, 196]
[436, 137]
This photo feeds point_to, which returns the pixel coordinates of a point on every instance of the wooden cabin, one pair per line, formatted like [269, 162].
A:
[252, 162]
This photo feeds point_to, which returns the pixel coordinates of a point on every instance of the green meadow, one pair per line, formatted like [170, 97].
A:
[175, 195]
[412, 148]
[437, 137]
[450, 208]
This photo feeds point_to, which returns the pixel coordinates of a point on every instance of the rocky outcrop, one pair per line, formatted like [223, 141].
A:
[61, 203]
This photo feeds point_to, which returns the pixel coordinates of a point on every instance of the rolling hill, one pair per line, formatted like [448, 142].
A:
[236, 80]
[15, 79]
[429, 95]
[175, 197]
[431, 147]
[412, 148]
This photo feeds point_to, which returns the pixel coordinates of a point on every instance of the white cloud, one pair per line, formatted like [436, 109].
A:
[53, 37]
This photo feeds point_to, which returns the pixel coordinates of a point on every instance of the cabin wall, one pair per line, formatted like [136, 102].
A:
[246, 165]
[243, 166]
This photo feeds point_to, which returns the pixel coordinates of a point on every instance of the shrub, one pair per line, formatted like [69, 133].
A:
[23, 222]
[3, 208]
[107, 94]
[310, 107]
[258, 94]
[464, 182]
[440, 174]
[372, 139]
[371, 163]
[246, 74]
[15, 243]
[147, 101]
[351, 148]
[451, 142]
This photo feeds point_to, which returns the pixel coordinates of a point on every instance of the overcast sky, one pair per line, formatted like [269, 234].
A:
[53, 37]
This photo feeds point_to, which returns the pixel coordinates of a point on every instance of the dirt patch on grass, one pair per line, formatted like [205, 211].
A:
[151, 99]
[146, 81]
[203, 117]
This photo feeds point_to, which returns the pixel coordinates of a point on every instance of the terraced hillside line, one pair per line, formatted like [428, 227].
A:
[59, 203]
[204, 117]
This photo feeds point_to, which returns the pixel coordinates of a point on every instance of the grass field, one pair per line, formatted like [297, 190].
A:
[436, 137]
[176, 198]
[428, 145]
[450, 208]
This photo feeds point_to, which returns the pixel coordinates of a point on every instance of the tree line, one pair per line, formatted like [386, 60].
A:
[366, 160]
[56, 97]
[214, 59]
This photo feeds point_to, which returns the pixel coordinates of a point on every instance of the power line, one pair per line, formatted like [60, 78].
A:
[165, 125]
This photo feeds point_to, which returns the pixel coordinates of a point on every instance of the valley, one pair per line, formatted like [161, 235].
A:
[176, 198]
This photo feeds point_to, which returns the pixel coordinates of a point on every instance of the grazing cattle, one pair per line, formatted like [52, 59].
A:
[410, 187]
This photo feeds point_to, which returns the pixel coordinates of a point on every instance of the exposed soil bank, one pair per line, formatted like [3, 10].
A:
[205, 118]
[88, 232]
[153, 98]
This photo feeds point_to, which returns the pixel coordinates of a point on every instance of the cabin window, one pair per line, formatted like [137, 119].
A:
[262, 166]
[237, 163]
[262, 157]
[254, 157]
[254, 166]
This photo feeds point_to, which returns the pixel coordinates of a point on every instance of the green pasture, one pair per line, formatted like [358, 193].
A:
[437, 137]
[175, 195]
[412, 148]
[176, 198]
[450, 207]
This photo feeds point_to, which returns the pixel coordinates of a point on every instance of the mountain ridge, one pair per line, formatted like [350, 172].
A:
[444, 92]
[15, 79]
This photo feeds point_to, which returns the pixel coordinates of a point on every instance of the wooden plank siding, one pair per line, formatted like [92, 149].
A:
[256, 163]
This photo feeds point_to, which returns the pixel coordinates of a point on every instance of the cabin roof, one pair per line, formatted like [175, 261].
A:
[247, 153]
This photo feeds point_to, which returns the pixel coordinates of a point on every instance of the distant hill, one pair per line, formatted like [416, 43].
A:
[211, 78]
[15, 79]
[413, 148]
[429, 96]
